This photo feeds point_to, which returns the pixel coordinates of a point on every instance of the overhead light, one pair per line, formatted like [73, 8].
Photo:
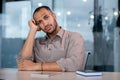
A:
[78, 25]
[68, 13]
[58, 13]
[106, 18]
[84, 0]
[115, 13]
[40, 4]
[92, 16]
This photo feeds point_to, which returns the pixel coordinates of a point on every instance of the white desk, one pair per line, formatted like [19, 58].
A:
[14, 74]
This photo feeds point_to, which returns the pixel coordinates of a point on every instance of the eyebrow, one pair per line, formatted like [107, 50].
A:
[44, 16]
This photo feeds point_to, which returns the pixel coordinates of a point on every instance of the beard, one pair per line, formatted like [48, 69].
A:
[54, 29]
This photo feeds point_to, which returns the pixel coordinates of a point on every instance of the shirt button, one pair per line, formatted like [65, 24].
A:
[49, 48]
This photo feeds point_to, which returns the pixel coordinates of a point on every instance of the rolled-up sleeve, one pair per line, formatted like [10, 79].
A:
[75, 54]
[20, 57]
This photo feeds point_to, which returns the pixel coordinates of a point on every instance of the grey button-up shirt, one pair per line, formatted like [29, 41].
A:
[67, 49]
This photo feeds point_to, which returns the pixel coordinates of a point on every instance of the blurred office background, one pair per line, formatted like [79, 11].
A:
[97, 21]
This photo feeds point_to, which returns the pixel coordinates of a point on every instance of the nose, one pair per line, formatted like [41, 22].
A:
[45, 22]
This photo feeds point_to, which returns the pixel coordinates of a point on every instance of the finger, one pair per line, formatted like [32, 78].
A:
[21, 69]
[19, 63]
[32, 21]
[39, 28]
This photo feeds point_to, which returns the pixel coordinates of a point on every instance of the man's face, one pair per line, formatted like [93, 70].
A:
[46, 20]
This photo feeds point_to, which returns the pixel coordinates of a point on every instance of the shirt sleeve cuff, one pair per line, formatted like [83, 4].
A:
[61, 65]
[19, 58]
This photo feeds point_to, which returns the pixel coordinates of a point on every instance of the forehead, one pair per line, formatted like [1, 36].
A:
[41, 13]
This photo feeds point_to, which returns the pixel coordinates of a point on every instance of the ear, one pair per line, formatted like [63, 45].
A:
[54, 15]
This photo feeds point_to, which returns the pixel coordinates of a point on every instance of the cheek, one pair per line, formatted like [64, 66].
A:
[41, 26]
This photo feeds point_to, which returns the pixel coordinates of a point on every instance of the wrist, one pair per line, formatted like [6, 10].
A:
[39, 66]
[33, 30]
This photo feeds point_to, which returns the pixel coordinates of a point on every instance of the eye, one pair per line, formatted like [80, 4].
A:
[38, 22]
[46, 17]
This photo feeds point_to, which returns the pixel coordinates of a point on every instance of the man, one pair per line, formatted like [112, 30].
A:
[59, 50]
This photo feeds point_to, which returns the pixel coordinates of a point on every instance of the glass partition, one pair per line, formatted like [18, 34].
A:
[14, 30]
[78, 16]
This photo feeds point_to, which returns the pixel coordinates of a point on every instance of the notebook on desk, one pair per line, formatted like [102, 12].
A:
[45, 74]
[88, 72]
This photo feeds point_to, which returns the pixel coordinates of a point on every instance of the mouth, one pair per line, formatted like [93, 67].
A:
[47, 28]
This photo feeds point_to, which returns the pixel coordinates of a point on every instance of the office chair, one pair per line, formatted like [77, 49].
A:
[87, 54]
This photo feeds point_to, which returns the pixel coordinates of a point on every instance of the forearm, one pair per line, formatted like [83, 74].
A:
[27, 65]
[42, 66]
[50, 66]
[28, 46]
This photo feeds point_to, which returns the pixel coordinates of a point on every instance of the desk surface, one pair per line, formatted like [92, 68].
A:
[14, 74]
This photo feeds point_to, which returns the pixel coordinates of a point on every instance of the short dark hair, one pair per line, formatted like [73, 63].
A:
[37, 9]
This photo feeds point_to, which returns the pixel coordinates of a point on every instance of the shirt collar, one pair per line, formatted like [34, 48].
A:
[59, 34]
